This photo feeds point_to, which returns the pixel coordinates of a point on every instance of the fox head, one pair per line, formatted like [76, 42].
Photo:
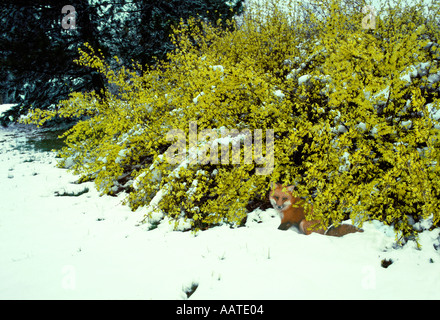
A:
[281, 197]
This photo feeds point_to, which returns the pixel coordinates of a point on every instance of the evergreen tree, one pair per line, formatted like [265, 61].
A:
[37, 54]
[157, 18]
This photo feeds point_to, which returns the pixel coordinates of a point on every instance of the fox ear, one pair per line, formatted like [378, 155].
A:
[290, 188]
[274, 185]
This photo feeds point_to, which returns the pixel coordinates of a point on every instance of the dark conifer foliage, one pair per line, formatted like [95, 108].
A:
[37, 53]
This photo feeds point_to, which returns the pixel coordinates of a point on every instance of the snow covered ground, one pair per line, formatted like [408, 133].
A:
[5, 107]
[90, 247]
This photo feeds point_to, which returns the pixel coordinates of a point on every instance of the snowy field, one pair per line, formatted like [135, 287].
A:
[90, 247]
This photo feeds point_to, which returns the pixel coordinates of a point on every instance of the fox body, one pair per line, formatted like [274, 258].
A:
[291, 210]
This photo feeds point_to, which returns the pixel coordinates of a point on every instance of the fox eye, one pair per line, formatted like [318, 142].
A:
[276, 197]
[284, 199]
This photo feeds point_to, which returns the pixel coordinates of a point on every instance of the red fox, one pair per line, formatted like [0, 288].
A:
[282, 201]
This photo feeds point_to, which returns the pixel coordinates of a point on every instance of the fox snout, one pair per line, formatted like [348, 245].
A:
[280, 207]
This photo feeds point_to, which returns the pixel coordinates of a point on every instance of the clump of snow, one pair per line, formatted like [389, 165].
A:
[121, 155]
[69, 162]
[279, 94]
[410, 73]
[196, 99]
[136, 182]
[382, 96]
[152, 210]
[5, 107]
[304, 79]
[434, 111]
[219, 68]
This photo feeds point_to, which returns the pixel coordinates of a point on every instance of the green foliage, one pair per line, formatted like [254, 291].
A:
[370, 145]
[352, 109]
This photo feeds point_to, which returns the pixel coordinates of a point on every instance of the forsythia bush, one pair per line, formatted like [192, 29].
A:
[367, 144]
[353, 112]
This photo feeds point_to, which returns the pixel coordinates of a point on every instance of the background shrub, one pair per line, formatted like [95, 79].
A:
[354, 113]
